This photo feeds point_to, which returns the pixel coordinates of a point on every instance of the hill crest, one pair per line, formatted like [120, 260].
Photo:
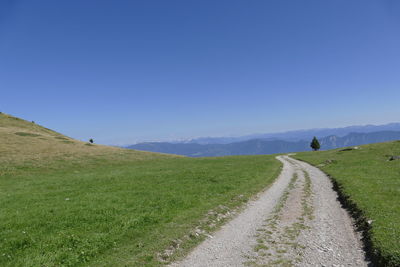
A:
[23, 141]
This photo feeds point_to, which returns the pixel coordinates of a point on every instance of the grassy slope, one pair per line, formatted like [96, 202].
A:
[373, 184]
[65, 203]
[24, 143]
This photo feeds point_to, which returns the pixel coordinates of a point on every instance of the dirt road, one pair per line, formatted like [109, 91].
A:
[296, 222]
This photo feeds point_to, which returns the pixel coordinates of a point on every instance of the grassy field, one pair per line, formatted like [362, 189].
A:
[67, 203]
[371, 184]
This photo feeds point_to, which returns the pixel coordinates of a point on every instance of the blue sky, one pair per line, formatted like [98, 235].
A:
[127, 71]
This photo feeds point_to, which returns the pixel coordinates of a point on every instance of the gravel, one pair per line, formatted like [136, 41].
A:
[296, 221]
[332, 240]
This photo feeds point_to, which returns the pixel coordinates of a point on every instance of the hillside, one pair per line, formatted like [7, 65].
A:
[370, 187]
[67, 203]
[23, 142]
[262, 146]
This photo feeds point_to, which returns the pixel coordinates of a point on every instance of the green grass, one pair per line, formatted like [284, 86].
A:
[70, 204]
[117, 213]
[27, 134]
[372, 184]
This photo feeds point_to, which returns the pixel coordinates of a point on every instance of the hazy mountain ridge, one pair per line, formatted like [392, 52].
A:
[263, 146]
[296, 135]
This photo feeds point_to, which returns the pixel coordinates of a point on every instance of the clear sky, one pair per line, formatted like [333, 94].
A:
[127, 71]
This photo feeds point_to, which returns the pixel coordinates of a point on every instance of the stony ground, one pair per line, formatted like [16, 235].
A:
[296, 222]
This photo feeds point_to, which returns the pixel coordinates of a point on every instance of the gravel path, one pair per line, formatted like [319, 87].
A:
[295, 222]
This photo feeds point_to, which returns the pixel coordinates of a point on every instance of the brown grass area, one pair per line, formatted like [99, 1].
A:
[24, 142]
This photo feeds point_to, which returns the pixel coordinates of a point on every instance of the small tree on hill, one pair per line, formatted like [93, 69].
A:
[315, 144]
[91, 140]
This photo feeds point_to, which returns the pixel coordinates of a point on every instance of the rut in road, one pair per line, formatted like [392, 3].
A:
[298, 221]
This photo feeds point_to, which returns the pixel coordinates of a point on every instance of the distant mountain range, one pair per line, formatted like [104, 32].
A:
[296, 135]
[295, 141]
